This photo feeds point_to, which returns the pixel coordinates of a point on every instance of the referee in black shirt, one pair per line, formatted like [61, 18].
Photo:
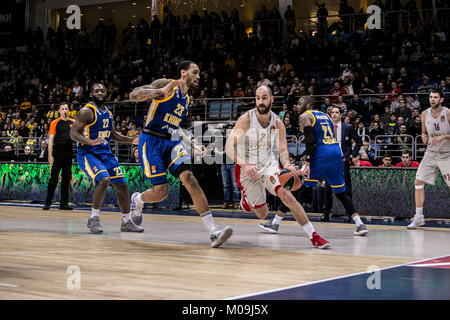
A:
[60, 154]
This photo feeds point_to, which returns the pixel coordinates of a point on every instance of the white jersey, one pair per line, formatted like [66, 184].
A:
[262, 142]
[437, 127]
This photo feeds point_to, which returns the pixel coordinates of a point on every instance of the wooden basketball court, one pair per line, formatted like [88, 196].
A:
[172, 259]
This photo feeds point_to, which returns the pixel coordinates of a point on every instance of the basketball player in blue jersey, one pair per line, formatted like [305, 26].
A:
[162, 150]
[93, 130]
[323, 159]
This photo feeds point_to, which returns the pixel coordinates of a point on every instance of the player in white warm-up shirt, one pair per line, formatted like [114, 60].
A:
[436, 134]
[251, 145]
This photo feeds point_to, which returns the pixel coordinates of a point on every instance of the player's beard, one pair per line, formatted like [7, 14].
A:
[266, 108]
[436, 106]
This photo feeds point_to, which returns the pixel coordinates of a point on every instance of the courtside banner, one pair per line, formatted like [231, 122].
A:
[390, 192]
[29, 181]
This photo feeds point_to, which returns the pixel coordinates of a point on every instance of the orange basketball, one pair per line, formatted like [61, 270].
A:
[289, 179]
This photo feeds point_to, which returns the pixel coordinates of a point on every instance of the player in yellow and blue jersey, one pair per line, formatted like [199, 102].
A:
[161, 149]
[93, 130]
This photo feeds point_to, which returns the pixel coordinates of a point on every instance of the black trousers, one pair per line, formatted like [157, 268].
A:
[62, 162]
[328, 196]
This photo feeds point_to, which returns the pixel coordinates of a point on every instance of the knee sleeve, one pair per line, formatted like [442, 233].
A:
[346, 202]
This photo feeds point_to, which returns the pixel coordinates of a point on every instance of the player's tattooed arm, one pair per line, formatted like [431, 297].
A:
[84, 117]
[148, 92]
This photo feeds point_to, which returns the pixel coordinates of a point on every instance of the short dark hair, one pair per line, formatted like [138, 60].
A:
[96, 84]
[62, 103]
[441, 95]
[184, 65]
[387, 155]
[406, 151]
[337, 107]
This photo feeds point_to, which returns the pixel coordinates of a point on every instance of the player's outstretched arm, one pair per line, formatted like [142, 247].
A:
[84, 117]
[116, 136]
[148, 92]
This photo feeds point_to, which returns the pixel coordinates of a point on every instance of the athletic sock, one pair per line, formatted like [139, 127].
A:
[126, 217]
[138, 199]
[357, 220]
[419, 212]
[309, 229]
[208, 221]
[277, 219]
[94, 212]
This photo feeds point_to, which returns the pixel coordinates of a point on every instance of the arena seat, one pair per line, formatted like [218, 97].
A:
[214, 109]
[226, 109]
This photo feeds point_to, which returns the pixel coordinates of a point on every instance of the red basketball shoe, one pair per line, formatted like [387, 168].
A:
[319, 242]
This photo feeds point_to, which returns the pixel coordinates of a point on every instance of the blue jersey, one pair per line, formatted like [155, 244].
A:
[164, 116]
[100, 127]
[323, 128]
[326, 161]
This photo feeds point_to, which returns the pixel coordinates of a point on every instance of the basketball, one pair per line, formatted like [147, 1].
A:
[289, 179]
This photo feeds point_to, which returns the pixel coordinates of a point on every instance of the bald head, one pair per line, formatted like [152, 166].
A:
[264, 99]
[264, 89]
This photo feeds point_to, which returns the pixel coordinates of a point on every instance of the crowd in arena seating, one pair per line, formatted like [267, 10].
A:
[396, 67]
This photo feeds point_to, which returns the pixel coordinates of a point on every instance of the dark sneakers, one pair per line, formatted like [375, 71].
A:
[65, 207]
[46, 207]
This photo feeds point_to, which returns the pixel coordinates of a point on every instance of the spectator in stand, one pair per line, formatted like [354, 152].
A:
[42, 155]
[381, 91]
[392, 125]
[358, 105]
[395, 90]
[436, 69]
[412, 103]
[367, 153]
[326, 105]
[406, 160]
[385, 117]
[133, 132]
[425, 88]
[403, 140]
[404, 81]
[403, 111]
[387, 161]
[357, 162]
[341, 104]
[52, 114]
[134, 155]
[416, 129]
[362, 130]
[27, 156]
[16, 141]
[336, 91]
[376, 131]
[412, 119]
[283, 112]
[8, 154]
[263, 81]
[291, 130]
[444, 89]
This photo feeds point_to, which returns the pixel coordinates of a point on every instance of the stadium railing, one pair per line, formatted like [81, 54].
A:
[390, 145]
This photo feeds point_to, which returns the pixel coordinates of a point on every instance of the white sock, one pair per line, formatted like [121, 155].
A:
[277, 219]
[126, 217]
[208, 221]
[94, 212]
[357, 220]
[419, 212]
[309, 229]
[138, 199]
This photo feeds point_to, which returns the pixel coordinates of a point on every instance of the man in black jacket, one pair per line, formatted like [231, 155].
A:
[344, 133]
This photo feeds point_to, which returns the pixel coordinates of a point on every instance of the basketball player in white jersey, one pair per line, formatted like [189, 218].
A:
[436, 134]
[250, 145]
